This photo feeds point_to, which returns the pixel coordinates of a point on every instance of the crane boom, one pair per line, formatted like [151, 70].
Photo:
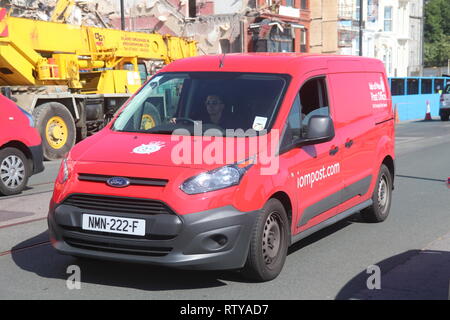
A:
[88, 72]
[62, 11]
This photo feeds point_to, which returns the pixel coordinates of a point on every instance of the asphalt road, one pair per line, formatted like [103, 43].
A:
[331, 264]
[40, 183]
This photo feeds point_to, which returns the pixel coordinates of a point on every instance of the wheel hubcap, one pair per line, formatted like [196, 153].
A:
[383, 193]
[56, 132]
[271, 239]
[12, 172]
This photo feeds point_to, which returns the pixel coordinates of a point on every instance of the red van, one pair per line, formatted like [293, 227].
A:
[20, 148]
[223, 162]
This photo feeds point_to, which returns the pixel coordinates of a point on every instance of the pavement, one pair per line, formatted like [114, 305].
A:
[425, 275]
[16, 210]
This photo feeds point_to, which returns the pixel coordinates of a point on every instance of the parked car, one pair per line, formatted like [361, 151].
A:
[259, 151]
[444, 105]
[20, 148]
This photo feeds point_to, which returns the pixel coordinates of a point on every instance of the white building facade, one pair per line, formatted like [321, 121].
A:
[416, 39]
[392, 32]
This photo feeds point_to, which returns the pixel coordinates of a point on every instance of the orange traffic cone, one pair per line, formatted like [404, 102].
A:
[428, 114]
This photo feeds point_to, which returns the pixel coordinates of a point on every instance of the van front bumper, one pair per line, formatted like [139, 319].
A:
[216, 239]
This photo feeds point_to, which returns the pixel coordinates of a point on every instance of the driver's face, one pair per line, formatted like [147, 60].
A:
[214, 105]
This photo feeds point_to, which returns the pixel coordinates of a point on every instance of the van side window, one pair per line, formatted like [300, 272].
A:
[314, 100]
[311, 100]
[293, 125]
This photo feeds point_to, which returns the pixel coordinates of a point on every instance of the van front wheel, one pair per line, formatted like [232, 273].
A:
[382, 198]
[268, 243]
[14, 171]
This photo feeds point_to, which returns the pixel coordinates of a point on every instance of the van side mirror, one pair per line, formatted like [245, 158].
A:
[320, 129]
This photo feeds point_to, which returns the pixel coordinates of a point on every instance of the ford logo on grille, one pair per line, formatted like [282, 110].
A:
[118, 182]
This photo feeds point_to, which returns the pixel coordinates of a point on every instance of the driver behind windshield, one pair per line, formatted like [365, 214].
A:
[215, 109]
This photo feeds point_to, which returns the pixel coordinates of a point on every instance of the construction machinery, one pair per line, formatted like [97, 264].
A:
[74, 78]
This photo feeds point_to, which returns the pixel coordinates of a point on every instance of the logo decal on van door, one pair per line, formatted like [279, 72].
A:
[149, 148]
[378, 94]
[308, 179]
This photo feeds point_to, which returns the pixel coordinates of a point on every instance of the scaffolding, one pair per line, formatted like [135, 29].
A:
[346, 9]
[347, 22]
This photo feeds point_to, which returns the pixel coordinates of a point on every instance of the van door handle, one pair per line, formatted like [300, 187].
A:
[349, 144]
[334, 151]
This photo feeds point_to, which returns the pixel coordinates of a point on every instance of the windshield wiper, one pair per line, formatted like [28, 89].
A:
[147, 131]
[159, 131]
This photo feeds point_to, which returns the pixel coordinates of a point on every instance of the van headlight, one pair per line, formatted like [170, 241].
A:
[63, 174]
[216, 179]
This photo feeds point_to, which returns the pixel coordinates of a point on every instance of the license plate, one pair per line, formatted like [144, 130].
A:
[113, 224]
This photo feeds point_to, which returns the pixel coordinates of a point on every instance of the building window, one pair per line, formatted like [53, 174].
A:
[372, 11]
[192, 9]
[303, 41]
[387, 60]
[280, 41]
[274, 41]
[289, 3]
[252, 3]
[388, 19]
[304, 4]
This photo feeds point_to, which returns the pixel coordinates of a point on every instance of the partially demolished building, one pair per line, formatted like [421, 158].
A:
[219, 26]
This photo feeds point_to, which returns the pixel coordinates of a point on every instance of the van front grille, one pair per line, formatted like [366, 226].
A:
[117, 204]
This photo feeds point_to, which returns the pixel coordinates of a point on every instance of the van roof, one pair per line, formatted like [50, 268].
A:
[282, 63]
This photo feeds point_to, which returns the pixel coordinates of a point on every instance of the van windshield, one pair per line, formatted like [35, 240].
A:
[204, 103]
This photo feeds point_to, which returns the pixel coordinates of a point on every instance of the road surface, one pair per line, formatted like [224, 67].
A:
[409, 248]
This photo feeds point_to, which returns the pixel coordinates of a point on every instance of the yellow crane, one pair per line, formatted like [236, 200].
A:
[63, 10]
[73, 78]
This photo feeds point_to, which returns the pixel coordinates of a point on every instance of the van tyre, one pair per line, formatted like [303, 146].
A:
[382, 198]
[268, 243]
[14, 171]
[57, 129]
